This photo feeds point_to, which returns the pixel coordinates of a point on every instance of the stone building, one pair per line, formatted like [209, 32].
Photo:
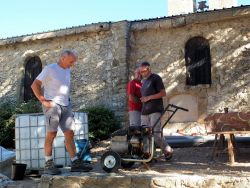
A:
[219, 4]
[203, 58]
[177, 7]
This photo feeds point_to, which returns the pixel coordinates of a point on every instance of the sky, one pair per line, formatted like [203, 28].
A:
[22, 17]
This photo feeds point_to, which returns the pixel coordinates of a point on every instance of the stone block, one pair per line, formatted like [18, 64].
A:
[178, 21]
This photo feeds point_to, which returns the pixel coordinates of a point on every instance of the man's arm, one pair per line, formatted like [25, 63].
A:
[131, 93]
[159, 95]
[36, 87]
[134, 98]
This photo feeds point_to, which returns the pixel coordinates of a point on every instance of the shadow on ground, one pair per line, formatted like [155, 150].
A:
[186, 161]
[191, 160]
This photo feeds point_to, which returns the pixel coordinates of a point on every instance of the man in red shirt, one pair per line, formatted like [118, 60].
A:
[134, 102]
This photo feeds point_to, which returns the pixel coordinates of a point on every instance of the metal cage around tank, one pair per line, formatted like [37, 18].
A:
[30, 132]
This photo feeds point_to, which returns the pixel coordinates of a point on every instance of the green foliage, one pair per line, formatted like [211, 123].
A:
[32, 106]
[7, 125]
[102, 122]
[7, 120]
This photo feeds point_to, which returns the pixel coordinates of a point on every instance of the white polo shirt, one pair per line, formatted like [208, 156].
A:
[56, 83]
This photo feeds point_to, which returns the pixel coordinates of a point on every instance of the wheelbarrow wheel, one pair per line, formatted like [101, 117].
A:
[127, 164]
[110, 161]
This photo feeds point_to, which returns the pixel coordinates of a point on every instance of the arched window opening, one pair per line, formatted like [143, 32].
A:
[198, 61]
[32, 68]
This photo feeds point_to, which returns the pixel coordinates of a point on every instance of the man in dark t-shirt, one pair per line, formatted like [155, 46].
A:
[153, 91]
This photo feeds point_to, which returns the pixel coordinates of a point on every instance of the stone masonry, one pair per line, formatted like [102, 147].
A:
[109, 52]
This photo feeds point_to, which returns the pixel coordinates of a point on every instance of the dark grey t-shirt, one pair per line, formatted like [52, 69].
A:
[150, 86]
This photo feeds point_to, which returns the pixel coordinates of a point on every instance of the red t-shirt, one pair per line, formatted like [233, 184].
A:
[134, 87]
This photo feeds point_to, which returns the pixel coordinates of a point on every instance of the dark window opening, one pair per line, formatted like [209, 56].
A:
[32, 68]
[198, 61]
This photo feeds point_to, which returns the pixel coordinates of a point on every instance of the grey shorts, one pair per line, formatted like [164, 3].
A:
[150, 120]
[58, 115]
[134, 118]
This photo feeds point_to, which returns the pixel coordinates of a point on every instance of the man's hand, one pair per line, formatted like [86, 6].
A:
[145, 99]
[48, 104]
[134, 98]
[159, 95]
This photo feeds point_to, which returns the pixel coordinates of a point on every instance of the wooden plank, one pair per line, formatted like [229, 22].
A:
[225, 122]
[218, 145]
[231, 151]
[229, 132]
[228, 124]
[215, 146]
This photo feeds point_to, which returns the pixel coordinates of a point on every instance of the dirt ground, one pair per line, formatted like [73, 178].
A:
[186, 160]
[190, 160]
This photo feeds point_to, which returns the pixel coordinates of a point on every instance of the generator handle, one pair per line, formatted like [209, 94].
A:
[173, 112]
[178, 107]
[169, 110]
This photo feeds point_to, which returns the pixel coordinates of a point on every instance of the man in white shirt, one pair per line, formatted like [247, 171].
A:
[55, 80]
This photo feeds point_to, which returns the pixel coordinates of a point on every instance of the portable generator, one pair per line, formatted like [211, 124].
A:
[134, 144]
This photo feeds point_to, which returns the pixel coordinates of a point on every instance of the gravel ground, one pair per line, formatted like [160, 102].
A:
[188, 160]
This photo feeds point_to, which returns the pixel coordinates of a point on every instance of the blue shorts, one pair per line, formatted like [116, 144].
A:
[58, 115]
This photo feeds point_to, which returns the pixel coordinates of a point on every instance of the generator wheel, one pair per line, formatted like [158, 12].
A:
[110, 161]
[127, 164]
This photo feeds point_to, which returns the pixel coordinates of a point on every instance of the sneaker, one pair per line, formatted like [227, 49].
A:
[168, 154]
[50, 168]
[78, 166]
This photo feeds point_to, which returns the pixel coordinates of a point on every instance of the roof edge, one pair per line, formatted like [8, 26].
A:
[162, 22]
[97, 27]
[192, 18]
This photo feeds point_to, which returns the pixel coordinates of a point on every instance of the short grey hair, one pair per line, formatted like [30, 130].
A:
[68, 52]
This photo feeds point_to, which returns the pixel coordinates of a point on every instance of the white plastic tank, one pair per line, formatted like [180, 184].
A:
[30, 131]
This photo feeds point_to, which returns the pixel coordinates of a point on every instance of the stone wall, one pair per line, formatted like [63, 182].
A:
[98, 78]
[162, 42]
[109, 52]
[230, 55]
